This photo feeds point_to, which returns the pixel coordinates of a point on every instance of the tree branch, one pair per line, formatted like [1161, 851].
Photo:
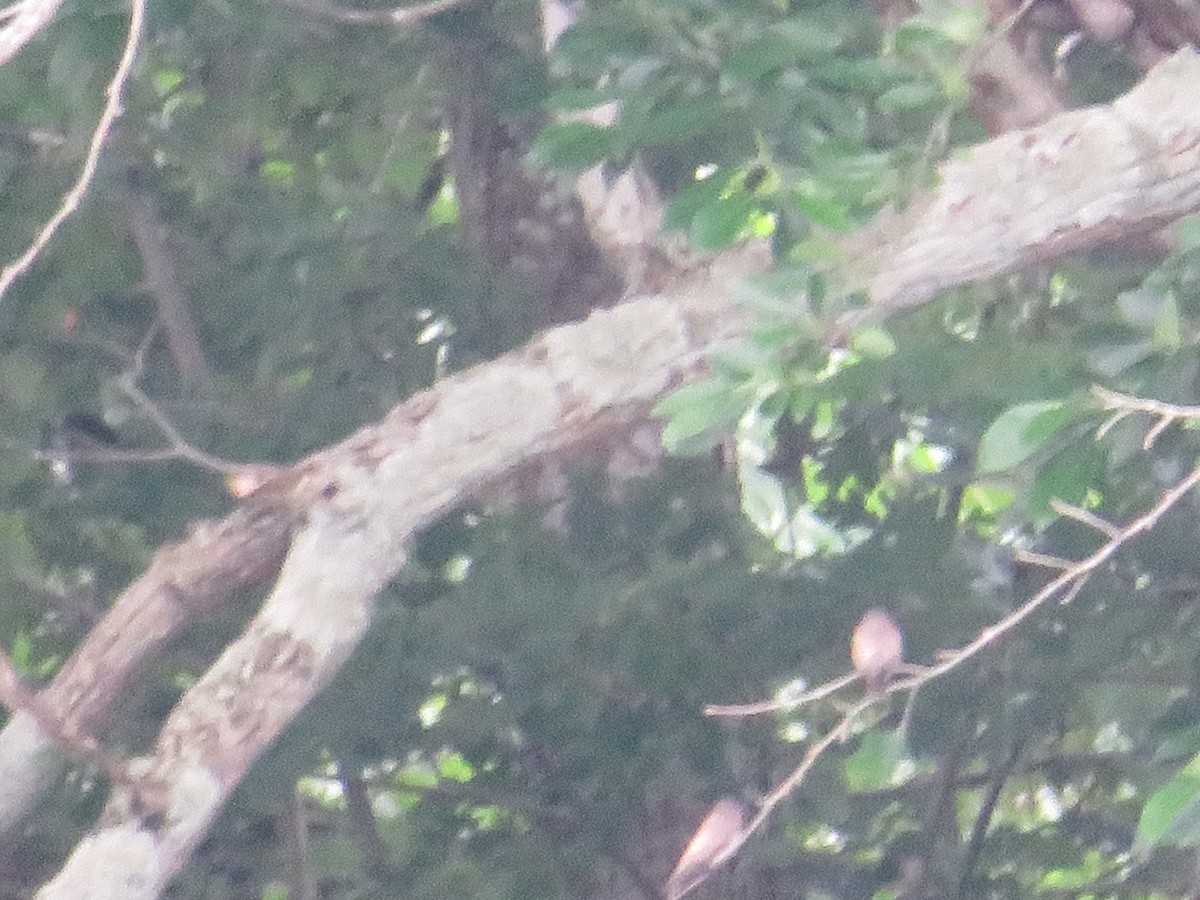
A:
[1084, 178]
[174, 311]
[28, 18]
[22, 21]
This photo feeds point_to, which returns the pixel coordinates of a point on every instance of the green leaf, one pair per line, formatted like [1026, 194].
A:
[873, 342]
[1019, 432]
[1166, 325]
[1141, 307]
[824, 211]
[1116, 359]
[764, 501]
[678, 119]
[720, 224]
[697, 195]
[1171, 815]
[1187, 231]
[779, 295]
[787, 44]
[913, 95]
[864, 75]
[699, 414]
[873, 765]
[1067, 476]
[810, 535]
[964, 25]
[572, 145]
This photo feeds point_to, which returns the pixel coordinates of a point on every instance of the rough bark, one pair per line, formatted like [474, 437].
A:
[1084, 178]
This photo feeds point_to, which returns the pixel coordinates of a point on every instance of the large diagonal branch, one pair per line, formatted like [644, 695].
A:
[1083, 179]
[359, 503]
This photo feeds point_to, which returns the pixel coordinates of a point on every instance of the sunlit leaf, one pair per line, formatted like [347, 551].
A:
[873, 765]
[764, 500]
[700, 413]
[1020, 431]
[873, 341]
[721, 223]
[1171, 815]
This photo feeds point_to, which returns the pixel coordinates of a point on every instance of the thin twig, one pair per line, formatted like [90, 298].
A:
[984, 819]
[22, 20]
[1043, 560]
[178, 443]
[112, 111]
[1114, 400]
[1069, 583]
[793, 781]
[400, 17]
[150, 236]
[1084, 517]
[781, 703]
[1122, 405]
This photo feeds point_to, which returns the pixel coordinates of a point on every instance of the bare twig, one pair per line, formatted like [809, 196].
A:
[174, 311]
[400, 17]
[1123, 405]
[112, 111]
[984, 819]
[23, 20]
[1066, 586]
[1069, 511]
[780, 704]
[793, 781]
[242, 479]
[1068, 583]
[1042, 559]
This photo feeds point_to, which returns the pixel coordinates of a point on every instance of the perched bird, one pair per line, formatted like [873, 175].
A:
[710, 847]
[877, 648]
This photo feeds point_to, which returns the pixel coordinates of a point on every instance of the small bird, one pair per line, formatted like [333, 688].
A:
[877, 648]
[710, 847]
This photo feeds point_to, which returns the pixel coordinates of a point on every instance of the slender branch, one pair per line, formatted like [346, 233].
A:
[295, 819]
[1122, 405]
[1066, 586]
[1042, 559]
[362, 827]
[793, 781]
[1084, 517]
[1119, 401]
[400, 17]
[242, 479]
[112, 111]
[984, 819]
[183, 338]
[941, 808]
[779, 704]
[23, 20]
